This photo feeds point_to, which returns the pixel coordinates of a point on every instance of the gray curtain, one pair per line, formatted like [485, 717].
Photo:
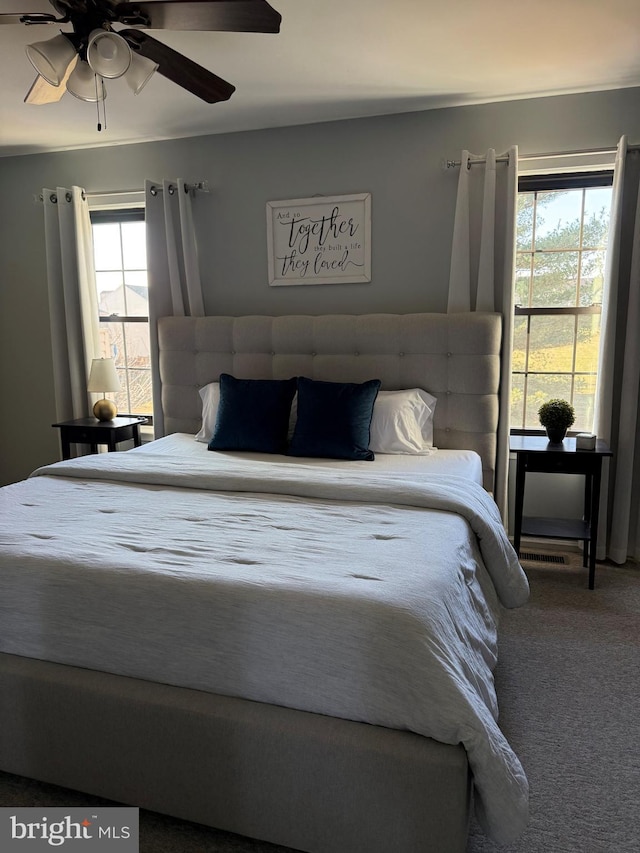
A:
[172, 265]
[73, 298]
[483, 267]
[617, 418]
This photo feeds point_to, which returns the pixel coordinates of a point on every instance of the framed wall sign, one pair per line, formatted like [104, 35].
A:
[319, 240]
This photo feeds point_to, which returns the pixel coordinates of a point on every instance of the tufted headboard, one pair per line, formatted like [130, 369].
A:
[456, 357]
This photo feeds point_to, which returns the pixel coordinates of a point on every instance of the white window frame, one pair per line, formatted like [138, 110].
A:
[542, 183]
[119, 211]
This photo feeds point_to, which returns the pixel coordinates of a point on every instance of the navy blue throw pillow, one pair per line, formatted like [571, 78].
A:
[253, 414]
[334, 419]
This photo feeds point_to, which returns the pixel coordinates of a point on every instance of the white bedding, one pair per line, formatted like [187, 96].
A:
[344, 592]
[459, 463]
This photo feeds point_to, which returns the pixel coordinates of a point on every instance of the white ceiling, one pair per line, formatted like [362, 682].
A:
[336, 59]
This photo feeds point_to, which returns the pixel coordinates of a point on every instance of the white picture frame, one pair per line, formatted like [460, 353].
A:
[319, 240]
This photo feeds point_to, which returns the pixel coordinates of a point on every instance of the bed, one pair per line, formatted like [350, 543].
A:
[296, 694]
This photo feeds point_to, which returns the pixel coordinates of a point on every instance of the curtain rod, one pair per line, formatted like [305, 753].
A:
[584, 152]
[198, 186]
[113, 192]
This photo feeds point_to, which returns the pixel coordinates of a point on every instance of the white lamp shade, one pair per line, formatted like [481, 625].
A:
[51, 58]
[139, 73]
[84, 84]
[103, 376]
[108, 54]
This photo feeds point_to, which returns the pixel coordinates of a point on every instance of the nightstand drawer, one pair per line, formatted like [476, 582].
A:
[82, 436]
[580, 462]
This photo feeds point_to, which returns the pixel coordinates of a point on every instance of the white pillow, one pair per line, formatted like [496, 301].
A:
[402, 422]
[210, 396]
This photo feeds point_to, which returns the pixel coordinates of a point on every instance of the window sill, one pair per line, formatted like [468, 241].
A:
[571, 433]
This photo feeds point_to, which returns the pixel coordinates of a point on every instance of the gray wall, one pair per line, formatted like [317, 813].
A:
[395, 158]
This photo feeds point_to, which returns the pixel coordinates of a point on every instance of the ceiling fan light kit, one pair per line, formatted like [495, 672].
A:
[108, 54]
[85, 84]
[51, 58]
[101, 52]
[140, 72]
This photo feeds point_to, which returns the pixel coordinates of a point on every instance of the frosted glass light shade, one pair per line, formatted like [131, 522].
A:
[84, 84]
[51, 58]
[140, 72]
[108, 54]
[103, 376]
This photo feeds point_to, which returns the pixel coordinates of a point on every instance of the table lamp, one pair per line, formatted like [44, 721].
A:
[103, 379]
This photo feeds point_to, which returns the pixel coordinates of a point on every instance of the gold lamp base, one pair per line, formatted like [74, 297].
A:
[105, 410]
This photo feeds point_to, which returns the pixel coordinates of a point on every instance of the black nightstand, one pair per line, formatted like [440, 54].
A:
[93, 432]
[534, 453]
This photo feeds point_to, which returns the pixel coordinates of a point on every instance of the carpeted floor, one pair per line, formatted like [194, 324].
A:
[568, 682]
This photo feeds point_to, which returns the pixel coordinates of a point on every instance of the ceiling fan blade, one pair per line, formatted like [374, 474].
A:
[249, 16]
[28, 18]
[42, 92]
[177, 68]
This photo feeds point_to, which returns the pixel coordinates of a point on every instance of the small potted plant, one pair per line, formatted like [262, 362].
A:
[556, 416]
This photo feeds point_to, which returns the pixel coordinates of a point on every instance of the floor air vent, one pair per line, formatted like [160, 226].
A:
[532, 557]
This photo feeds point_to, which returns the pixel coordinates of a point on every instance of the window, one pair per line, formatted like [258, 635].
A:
[119, 245]
[562, 227]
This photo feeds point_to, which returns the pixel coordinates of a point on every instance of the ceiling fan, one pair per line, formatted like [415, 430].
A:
[79, 59]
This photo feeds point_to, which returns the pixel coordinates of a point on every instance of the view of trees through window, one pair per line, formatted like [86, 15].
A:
[119, 246]
[562, 228]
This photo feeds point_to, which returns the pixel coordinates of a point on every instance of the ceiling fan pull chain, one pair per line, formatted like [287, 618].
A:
[95, 83]
[104, 106]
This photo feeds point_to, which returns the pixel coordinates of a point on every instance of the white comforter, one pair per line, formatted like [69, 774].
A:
[349, 594]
